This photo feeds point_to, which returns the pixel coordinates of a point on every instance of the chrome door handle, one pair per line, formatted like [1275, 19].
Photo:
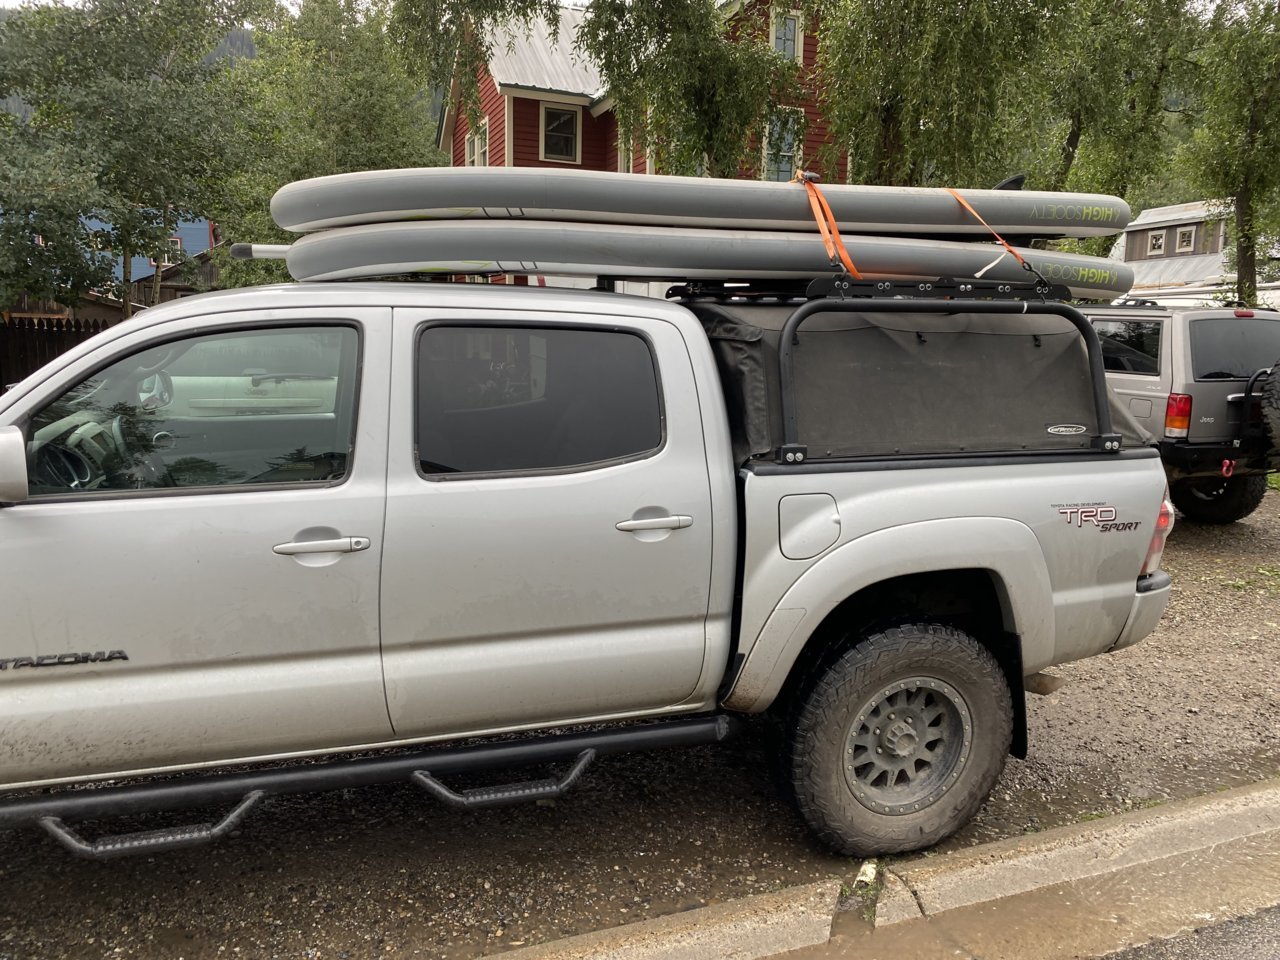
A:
[340, 545]
[655, 523]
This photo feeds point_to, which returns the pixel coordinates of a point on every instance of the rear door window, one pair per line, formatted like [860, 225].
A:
[502, 399]
[1130, 346]
[1233, 348]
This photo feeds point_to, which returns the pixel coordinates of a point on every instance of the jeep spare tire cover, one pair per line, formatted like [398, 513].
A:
[1271, 404]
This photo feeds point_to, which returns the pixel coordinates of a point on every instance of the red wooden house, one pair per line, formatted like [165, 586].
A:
[544, 106]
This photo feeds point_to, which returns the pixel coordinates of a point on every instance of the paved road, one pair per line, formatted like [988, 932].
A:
[386, 873]
[1251, 938]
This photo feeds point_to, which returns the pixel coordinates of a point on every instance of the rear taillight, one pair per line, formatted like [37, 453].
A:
[1164, 523]
[1177, 415]
[1244, 313]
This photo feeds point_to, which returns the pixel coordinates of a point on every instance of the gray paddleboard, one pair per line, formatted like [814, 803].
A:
[582, 249]
[591, 196]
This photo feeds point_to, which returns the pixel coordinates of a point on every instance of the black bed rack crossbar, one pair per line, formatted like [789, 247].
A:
[793, 452]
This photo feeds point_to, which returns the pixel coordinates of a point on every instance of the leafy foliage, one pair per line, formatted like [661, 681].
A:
[693, 87]
[690, 84]
[46, 251]
[132, 91]
[1235, 151]
[918, 95]
[326, 93]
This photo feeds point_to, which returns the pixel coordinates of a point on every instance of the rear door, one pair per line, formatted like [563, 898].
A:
[1225, 349]
[548, 534]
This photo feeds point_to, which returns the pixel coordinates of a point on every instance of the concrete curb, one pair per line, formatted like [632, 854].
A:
[746, 929]
[921, 888]
[926, 887]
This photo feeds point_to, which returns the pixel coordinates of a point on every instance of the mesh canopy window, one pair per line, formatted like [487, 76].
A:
[869, 385]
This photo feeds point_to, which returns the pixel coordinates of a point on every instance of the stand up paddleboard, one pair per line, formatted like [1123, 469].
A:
[588, 249]
[589, 196]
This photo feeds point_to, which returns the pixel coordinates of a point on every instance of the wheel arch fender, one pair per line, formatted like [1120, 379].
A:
[1007, 549]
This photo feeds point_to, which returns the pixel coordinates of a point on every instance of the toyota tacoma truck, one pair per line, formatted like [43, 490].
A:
[312, 536]
[1199, 378]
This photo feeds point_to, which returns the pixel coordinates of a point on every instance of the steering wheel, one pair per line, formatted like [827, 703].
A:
[145, 470]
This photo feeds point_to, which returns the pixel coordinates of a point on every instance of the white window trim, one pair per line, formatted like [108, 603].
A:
[777, 13]
[509, 132]
[542, 132]
[471, 151]
[626, 154]
[173, 243]
[1164, 245]
[797, 149]
[1190, 247]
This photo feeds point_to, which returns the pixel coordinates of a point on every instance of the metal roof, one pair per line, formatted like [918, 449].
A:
[1178, 213]
[1201, 270]
[535, 60]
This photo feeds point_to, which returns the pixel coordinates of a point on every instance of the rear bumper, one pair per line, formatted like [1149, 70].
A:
[1149, 601]
[1183, 459]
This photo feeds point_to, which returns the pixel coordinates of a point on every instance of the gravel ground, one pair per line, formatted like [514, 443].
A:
[387, 873]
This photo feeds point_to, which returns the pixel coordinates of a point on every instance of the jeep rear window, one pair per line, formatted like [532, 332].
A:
[1233, 348]
[1130, 346]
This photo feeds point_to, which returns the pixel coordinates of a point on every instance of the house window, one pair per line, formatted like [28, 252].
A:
[780, 155]
[1186, 239]
[560, 133]
[1155, 243]
[788, 38]
[477, 149]
[626, 155]
[172, 254]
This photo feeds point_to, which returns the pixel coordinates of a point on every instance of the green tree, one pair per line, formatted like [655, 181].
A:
[695, 82]
[1119, 67]
[130, 87]
[46, 249]
[917, 92]
[327, 92]
[1235, 151]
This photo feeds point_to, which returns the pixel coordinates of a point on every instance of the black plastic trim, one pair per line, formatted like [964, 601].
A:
[1205, 459]
[1154, 581]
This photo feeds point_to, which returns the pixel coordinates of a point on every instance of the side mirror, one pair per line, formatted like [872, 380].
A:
[13, 465]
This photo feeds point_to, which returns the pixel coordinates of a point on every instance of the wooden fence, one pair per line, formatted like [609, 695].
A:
[28, 342]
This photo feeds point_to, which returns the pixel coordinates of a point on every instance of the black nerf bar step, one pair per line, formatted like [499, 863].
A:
[480, 797]
[197, 791]
[149, 841]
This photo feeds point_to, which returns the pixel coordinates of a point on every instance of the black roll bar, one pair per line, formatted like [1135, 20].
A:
[792, 451]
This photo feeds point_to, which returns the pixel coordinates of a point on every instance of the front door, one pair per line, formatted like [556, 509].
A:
[548, 546]
[195, 575]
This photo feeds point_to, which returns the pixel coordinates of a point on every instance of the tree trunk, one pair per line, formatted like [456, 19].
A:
[155, 278]
[126, 280]
[1070, 147]
[1246, 248]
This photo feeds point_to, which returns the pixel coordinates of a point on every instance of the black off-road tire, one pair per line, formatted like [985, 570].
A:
[1270, 387]
[1219, 499]
[919, 788]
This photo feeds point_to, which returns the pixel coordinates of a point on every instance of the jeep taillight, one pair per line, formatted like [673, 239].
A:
[1164, 523]
[1177, 415]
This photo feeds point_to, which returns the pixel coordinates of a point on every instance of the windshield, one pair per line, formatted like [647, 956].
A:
[1233, 348]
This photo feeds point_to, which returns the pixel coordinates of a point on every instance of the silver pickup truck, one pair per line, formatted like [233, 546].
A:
[271, 528]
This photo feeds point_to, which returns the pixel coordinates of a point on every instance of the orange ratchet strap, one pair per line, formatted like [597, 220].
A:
[965, 203]
[826, 223]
